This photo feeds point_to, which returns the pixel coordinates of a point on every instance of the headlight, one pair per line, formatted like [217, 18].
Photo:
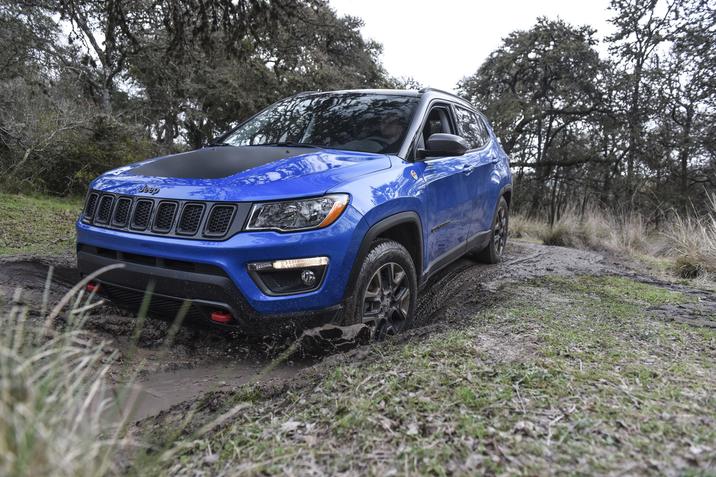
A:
[293, 215]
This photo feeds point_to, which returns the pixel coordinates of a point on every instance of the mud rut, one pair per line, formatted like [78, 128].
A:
[201, 360]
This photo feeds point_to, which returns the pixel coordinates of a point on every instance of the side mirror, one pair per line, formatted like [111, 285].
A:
[441, 144]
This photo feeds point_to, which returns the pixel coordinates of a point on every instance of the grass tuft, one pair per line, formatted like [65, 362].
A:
[692, 241]
[55, 401]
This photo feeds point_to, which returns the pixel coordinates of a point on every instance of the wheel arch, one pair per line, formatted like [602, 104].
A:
[404, 228]
[506, 192]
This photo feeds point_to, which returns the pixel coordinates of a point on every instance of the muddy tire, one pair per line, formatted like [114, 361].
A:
[385, 293]
[498, 235]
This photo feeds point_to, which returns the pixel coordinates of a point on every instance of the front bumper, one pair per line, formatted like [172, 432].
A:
[221, 278]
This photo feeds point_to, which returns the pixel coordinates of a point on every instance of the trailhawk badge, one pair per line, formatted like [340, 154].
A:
[147, 189]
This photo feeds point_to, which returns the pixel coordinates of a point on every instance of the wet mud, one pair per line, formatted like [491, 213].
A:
[198, 360]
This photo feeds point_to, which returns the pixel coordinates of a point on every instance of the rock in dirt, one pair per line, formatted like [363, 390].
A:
[330, 338]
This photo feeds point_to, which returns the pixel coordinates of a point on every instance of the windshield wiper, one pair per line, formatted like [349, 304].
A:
[290, 144]
[218, 144]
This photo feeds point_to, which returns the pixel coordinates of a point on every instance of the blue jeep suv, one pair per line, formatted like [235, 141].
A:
[326, 207]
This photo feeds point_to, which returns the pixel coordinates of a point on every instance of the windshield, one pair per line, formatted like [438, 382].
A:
[352, 121]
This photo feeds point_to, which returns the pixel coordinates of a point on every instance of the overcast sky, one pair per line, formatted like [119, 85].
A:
[438, 42]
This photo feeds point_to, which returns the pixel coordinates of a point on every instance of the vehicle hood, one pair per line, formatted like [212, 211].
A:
[247, 173]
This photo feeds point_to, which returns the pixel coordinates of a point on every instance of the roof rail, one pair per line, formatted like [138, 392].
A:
[425, 90]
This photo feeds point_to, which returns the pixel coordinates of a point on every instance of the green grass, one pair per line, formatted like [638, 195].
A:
[30, 225]
[566, 376]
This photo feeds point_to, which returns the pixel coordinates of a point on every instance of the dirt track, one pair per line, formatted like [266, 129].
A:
[201, 360]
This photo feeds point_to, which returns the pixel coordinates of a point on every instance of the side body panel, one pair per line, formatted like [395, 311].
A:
[447, 196]
[487, 178]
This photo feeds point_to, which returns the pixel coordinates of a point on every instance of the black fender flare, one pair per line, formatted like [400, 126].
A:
[374, 231]
[506, 188]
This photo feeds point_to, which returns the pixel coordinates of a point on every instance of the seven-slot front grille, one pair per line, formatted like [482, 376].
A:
[121, 211]
[155, 216]
[90, 205]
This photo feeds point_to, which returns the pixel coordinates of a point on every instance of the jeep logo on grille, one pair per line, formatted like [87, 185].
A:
[147, 189]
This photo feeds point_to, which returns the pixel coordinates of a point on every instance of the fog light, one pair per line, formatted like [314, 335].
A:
[308, 278]
[289, 276]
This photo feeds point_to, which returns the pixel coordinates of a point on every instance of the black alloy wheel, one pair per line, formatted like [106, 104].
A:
[498, 235]
[386, 300]
[384, 295]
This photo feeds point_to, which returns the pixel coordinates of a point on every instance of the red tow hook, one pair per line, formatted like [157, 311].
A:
[222, 317]
[92, 287]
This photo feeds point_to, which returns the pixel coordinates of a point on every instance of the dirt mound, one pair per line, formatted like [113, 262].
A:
[467, 286]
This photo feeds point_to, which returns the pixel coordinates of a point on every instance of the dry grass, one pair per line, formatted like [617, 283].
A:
[594, 230]
[692, 243]
[54, 393]
[687, 243]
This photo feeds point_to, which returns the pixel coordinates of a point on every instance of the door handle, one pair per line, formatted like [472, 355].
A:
[466, 168]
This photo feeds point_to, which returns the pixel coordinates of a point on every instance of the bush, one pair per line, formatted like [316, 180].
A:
[51, 142]
[689, 266]
[560, 235]
[523, 227]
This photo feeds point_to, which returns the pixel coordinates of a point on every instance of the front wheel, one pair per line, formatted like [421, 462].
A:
[386, 289]
[496, 248]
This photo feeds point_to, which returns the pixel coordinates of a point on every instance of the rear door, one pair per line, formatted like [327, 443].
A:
[482, 160]
[448, 192]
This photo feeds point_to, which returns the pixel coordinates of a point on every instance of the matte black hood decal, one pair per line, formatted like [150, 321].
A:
[217, 162]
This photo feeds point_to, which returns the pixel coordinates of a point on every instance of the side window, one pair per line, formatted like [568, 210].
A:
[438, 121]
[483, 129]
[472, 128]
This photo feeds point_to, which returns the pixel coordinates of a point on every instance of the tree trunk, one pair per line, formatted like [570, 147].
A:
[634, 118]
[684, 153]
[105, 99]
[552, 200]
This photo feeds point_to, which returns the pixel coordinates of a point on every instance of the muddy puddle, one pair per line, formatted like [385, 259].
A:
[160, 391]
